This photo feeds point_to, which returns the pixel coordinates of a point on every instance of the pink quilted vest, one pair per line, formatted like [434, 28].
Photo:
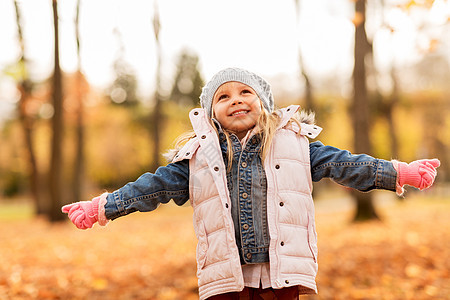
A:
[290, 209]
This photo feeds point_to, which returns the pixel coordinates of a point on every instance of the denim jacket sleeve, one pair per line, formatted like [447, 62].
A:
[150, 190]
[361, 172]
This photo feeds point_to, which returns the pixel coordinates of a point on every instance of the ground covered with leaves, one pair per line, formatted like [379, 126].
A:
[152, 255]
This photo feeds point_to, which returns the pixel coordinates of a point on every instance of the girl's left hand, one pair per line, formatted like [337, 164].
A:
[419, 174]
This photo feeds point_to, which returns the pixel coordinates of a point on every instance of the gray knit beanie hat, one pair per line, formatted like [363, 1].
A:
[257, 83]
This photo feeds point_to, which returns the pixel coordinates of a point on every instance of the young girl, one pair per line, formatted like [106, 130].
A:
[248, 171]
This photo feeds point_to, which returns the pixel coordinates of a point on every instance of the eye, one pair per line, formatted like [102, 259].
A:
[221, 97]
[245, 91]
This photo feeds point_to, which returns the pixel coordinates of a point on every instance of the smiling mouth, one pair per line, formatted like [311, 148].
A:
[241, 112]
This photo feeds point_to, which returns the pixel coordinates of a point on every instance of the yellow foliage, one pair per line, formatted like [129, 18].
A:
[380, 138]
[177, 122]
[358, 19]
[116, 148]
[336, 124]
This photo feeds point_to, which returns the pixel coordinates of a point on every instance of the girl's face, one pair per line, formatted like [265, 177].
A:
[237, 107]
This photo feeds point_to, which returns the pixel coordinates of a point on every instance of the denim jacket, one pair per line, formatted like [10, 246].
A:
[247, 187]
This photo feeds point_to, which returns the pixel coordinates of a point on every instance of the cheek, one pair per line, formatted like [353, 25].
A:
[257, 109]
[256, 104]
[218, 110]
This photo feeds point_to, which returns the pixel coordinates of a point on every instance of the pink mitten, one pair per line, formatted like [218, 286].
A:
[83, 214]
[419, 173]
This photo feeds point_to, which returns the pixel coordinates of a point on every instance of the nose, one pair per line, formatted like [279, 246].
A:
[236, 100]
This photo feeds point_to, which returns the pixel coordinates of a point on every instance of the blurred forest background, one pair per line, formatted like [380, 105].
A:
[64, 139]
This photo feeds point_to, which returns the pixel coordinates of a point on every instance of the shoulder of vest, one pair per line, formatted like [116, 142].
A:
[187, 151]
[308, 130]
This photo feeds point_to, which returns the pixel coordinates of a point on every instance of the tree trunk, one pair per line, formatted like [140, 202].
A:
[27, 127]
[156, 118]
[360, 110]
[393, 100]
[79, 146]
[26, 121]
[156, 127]
[56, 167]
[309, 99]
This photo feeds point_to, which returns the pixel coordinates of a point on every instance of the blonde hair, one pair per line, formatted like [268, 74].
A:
[267, 124]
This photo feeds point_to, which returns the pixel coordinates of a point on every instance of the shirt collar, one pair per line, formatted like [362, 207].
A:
[247, 137]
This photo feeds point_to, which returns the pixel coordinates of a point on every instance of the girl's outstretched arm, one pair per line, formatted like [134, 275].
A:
[170, 182]
[359, 171]
[365, 173]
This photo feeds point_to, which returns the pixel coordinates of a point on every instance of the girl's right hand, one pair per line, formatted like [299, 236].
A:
[83, 214]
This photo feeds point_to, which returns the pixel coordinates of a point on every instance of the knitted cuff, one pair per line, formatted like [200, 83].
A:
[102, 220]
[399, 190]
